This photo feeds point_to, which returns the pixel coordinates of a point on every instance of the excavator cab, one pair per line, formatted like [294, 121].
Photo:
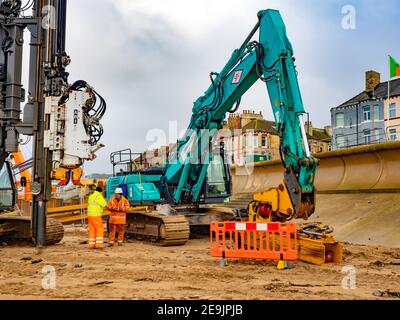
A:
[147, 186]
[8, 190]
[218, 186]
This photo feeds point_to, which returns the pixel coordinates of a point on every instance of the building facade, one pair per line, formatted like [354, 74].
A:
[156, 157]
[247, 138]
[392, 118]
[255, 139]
[251, 138]
[319, 140]
[365, 118]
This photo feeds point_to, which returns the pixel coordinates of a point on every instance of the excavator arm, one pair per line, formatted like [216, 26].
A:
[270, 60]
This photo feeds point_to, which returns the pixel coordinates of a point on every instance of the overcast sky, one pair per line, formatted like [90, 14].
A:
[151, 59]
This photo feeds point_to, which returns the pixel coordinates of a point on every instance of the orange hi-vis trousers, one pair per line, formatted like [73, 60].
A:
[96, 231]
[120, 228]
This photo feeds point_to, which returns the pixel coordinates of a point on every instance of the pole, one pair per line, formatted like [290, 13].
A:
[48, 77]
[389, 85]
[388, 102]
[304, 135]
[39, 200]
[389, 81]
[357, 123]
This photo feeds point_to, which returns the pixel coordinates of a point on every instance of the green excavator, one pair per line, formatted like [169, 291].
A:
[197, 172]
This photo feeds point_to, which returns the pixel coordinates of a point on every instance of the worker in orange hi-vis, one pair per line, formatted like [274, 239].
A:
[96, 204]
[118, 205]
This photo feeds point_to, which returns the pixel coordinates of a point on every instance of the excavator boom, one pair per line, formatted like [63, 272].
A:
[270, 60]
[196, 172]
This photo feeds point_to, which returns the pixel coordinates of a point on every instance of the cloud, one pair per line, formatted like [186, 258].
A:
[150, 59]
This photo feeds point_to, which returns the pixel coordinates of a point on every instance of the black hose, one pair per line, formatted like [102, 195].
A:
[5, 46]
[92, 113]
[236, 108]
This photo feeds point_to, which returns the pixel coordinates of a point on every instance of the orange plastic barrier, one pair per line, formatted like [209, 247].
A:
[251, 240]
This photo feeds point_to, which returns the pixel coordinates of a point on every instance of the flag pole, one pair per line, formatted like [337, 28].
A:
[389, 83]
[388, 102]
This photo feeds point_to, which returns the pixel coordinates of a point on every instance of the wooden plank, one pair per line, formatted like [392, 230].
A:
[69, 217]
[62, 209]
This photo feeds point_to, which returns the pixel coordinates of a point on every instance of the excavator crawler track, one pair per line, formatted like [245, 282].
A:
[159, 229]
[18, 229]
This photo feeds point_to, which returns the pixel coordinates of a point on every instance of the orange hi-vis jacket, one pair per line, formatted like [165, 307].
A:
[118, 210]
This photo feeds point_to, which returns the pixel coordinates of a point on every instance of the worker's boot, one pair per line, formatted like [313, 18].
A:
[119, 243]
[109, 244]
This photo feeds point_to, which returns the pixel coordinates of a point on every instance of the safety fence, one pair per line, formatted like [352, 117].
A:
[251, 240]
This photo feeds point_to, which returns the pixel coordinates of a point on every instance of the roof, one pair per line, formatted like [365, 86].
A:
[269, 127]
[261, 126]
[319, 134]
[380, 92]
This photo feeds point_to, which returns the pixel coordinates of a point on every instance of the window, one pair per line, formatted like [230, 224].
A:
[392, 135]
[376, 112]
[392, 110]
[340, 142]
[367, 113]
[340, 120]
[263, 141]
[367, 136]
[255, 141]
[216, 177]
[6, 190]
[377, 135]
[249, 141]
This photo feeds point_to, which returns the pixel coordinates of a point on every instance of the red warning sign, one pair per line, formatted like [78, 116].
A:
[236, 76]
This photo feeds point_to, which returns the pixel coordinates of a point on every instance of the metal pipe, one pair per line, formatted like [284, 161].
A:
[304, 135]
[246, 41]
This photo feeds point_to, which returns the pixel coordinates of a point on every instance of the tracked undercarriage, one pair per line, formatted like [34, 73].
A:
[163, 230]
[18, 229]
[174, 229]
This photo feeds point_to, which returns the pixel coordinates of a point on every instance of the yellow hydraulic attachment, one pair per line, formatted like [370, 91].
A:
[273, 205]
[65, 174]
[317, 245]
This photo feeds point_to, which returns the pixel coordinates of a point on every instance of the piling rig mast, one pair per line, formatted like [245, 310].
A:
[63, 119]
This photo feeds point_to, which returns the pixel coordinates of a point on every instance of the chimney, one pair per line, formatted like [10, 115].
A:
[309, 128]
[372, 80]
[328, 130]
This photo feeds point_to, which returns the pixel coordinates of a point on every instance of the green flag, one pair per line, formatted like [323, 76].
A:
[394, 68]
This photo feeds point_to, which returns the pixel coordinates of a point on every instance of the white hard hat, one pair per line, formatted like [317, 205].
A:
[118, 190]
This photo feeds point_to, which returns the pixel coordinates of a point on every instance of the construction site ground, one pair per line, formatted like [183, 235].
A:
[144, 271]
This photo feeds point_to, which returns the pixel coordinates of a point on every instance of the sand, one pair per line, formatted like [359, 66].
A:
[144, 271]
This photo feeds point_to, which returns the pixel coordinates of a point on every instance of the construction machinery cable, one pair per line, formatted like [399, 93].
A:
[93, 111]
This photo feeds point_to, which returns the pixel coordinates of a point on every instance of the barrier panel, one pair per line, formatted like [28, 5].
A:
[251, 240]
